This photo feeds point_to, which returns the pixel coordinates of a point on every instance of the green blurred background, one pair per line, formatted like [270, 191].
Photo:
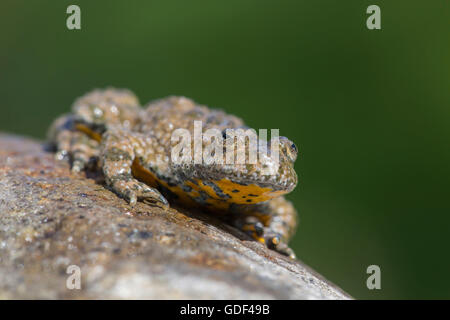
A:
[369, 110]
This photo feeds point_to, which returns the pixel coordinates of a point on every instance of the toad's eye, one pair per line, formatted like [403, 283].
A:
[294, 148]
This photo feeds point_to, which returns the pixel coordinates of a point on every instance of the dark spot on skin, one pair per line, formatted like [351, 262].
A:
[187, 189]
[194, 182]
[252, 195]
[249, 200]
[235, 191]
[145, 234]
[98, 127]
[244, 197]
[170, 183]
[217, 190]
[240, 182]
[224, 134]
[202, 198]
[68, 124]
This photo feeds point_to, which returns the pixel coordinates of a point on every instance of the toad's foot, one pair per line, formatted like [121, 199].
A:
[119, 150]
[133, 190]
[271, 223]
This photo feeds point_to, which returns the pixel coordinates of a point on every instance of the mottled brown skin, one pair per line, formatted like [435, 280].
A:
[108, 129]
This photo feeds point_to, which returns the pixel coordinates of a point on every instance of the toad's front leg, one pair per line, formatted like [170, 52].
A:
[120, 148]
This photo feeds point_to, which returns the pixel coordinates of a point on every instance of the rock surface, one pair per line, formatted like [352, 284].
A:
[51, 219]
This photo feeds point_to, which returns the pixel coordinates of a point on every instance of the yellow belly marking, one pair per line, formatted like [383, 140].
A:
[246, 194]
[143, 174]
